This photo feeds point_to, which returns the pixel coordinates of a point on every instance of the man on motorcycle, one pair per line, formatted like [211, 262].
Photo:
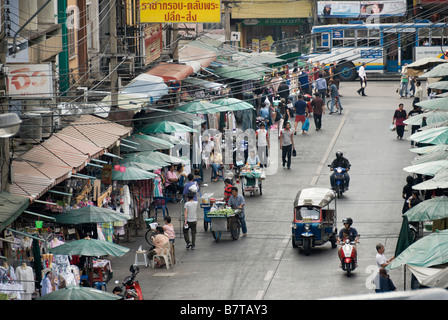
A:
[342, 162]
[352, 235]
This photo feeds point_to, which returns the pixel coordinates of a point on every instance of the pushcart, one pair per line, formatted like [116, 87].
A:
[206, 207]
[252, 180]
[222, 222]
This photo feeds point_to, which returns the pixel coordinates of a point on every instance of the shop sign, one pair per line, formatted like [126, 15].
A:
[273, 22]
[180, 11]
[153, 42]
[30, 81]
[355, 9]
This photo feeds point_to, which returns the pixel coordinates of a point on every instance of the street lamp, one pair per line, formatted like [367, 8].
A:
[9, 124]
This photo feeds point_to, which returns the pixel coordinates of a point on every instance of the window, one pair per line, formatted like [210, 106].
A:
[307, 212]
[361, 38]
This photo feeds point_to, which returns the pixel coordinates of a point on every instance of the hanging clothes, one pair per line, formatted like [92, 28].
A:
[25, 275]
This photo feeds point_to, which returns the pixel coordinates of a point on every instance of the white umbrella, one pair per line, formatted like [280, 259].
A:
[428, 168]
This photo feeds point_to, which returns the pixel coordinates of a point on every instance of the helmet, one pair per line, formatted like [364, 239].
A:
[339, 154]
[347, 220]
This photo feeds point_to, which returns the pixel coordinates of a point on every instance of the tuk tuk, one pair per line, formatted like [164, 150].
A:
[314, 220]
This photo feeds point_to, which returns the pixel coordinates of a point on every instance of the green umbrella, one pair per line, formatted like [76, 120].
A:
[156, 142]
[426, 252]
[264, 58]
[132, 173]
[159, 156]
[90, 248]
[430, 149]
[428, 210]
[200, 107]
[434, 104]
[433, 156]
[439, 85]
[427, 168]
[143, 166]
[75, 292]
[431, 136]
[142, 157]
[439, 181]
[233, 104]
[405, 237]
[166, 127]
[240, 73]
[438, 71]
[90, 214]
[173, 139]
[431, 118]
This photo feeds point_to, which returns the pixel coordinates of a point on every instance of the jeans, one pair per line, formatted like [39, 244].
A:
[318, 121]
[215, 168]
[192, 227]
[323, 93]
[243, 223]
[404, 89]
[333, 102]
[286, 153]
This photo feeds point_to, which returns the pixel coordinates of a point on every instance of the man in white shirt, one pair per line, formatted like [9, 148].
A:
[263, 144]
[362, 78]
[381, 262]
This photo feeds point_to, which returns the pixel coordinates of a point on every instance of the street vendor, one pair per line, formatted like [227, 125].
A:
[253, 158]
[236, 201]
[227, 190]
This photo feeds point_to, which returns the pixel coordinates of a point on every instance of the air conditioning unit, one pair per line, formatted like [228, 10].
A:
[47, 121]
[31, 128]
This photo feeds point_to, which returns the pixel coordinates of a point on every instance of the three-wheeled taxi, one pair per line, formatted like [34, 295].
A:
[314, 218]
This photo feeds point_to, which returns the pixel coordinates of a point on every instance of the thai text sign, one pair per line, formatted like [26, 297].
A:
[180, 11]
[30, 81]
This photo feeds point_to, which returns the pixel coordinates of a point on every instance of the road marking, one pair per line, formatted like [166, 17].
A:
[329, 148]
[286, 240]
[278, 255]
[269, 275]
[260, 295]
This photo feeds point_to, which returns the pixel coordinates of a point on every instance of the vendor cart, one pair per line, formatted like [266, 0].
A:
[252, 180]
[225, 220]
[207, 207]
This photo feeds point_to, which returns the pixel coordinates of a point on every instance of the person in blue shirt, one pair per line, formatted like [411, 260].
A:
[265, 113]
[304, 82]
[301, 112]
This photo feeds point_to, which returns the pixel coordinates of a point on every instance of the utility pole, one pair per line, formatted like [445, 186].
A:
[227, 20]
[113, 55]
[4, 142]
[176, 43]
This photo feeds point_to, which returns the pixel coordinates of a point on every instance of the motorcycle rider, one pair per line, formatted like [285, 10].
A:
[342, 162]
[352, 235]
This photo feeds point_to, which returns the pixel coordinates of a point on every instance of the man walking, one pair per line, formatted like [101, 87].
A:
[334, 94]
[190, 221]
[362, 78]
[287, 144]
[321, 86]
[301, 113]
[318, 108]
[237, 201]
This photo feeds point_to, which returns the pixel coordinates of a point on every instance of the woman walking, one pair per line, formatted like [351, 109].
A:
[398, 120]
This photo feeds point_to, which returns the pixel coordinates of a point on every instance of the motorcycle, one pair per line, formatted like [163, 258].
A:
[348, 256]
[339, 180]
[132, 287]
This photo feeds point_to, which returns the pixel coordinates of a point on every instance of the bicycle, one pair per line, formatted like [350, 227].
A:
[337, 106]
[150, 233]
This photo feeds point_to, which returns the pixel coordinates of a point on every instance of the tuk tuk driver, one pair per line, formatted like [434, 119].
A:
[352, 234]
[342, 162]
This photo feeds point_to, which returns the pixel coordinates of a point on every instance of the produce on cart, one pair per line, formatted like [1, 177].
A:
[225, 219]
[251, 179]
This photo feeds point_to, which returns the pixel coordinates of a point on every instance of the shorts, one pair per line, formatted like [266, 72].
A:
[300, 118]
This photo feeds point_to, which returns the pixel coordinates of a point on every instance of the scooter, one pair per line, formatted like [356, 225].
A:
[339, 180]
[133, 290]
[348, 256]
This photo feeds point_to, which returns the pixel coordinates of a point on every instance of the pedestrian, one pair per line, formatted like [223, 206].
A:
[404, 82]
[415, 111]
[190, 186]
[190, 221]
[362, 79]
[418, 96]
[283, 90]
[334, 95]
[407, 193]
[287, 144]
[301, 112]
[262, 136]
[237, 201]
[227, 190]
[304, 81]
[265, 113]
[318, 109]
[381, 262]
[385, 283]
[321, 86]
[398, 120]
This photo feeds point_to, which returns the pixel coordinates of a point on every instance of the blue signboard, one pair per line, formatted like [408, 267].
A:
[371, 53]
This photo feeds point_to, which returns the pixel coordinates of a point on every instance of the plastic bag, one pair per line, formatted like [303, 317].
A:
[306, 125]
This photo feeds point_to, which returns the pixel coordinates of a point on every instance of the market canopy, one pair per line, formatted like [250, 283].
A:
[166, 127]
[428, 251]
[438, 71]
[431, 136]
[427, 168]
[171, 71]
[434, 104]
[439, 85]
[146, 143]
[239, 73]
[131, 174]
[90, 214]
[439, 181]
[199, 107]
[11, 208]
[90, 248]
[430, 149]
[433, 156]
[429, 210]
[77, 292]
[232, 104]
[173, 139]
[418, 67]
[431, 117]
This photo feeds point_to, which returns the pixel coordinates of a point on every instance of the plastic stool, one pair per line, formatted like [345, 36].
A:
[141, 263]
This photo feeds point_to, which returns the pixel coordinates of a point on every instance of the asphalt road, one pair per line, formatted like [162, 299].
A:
[264, 265]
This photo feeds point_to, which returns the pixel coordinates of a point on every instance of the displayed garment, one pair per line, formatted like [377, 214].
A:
[45, 286]
[25, 275]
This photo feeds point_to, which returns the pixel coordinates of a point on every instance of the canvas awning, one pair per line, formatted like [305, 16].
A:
[189, 54]
[171, 71]
[11, 207]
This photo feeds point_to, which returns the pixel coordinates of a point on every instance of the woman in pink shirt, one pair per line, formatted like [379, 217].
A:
[398, 120]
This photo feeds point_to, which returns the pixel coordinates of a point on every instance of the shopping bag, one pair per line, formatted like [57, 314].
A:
[294, 152]
[392, 127]
[306, 125]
